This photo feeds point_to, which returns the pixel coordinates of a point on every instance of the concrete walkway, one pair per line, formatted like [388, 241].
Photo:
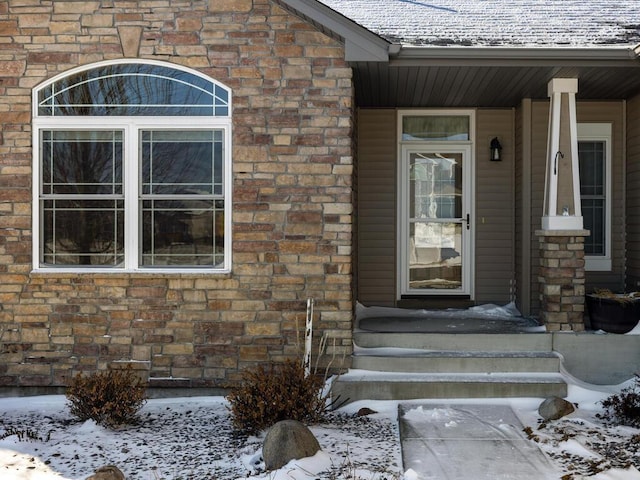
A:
[469, 442]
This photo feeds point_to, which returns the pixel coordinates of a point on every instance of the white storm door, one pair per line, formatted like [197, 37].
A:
[435, 249]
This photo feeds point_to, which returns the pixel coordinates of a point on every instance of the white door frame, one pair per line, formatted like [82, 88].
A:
[466, 148]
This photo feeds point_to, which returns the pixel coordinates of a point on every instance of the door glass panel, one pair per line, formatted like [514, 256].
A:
[435, 259]
[435, 183]
[450, 128]
[435, 220]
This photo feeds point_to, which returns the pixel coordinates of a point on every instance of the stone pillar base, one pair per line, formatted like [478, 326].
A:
[561, 279]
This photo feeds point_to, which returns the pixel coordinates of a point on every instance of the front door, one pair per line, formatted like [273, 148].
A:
[436, 219]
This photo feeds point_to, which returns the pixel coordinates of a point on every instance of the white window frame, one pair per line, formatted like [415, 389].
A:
[131, 127]
[601, 132]
[466, 147]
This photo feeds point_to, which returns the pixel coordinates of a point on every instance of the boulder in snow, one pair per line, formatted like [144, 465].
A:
[109, 472]
[554, 408]
[288, 440]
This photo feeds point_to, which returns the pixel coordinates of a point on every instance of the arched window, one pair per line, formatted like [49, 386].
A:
[132, 165]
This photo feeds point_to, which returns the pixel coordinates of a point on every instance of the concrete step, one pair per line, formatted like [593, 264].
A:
[403, 366]
[365, 385]
[484, 342]
[459, 362]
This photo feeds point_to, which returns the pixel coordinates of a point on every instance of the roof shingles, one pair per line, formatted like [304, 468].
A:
[518, 23]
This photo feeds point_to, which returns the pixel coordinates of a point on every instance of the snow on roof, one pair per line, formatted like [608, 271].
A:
[521, 23]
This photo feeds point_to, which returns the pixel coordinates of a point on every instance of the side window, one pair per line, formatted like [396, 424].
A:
[133, 170]
[594, 153]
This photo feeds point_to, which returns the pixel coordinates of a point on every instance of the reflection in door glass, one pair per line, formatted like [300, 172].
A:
[442, 128]
[435, 258]
[435, 185]
[435, 209]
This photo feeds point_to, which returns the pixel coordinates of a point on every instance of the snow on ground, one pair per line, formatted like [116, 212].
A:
[180, 438]
[192, 438]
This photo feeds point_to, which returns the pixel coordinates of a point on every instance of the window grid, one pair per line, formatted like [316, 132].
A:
[593, 194]
[72, 204]
[53, 140]
[187, 189]
[126, 89]
[175, 245]
[58, 251]
[178, 212]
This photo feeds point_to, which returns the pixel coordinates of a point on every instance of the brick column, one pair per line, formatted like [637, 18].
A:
[561, 279]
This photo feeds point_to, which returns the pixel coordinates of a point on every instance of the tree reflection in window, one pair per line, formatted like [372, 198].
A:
[83, 209]
[182, 208]
[133, 89]
[171, 186]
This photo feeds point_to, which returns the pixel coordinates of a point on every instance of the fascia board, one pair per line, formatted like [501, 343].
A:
[361, 45]
[516, 56]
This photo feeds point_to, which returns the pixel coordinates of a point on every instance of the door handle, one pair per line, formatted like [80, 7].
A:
[468, 222]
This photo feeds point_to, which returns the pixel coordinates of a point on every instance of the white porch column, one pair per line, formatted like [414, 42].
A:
[561, 276]
[562, 184]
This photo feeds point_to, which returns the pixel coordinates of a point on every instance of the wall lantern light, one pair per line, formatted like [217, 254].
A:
[496, 150]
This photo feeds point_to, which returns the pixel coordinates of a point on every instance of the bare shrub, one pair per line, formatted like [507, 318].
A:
[110, 398]
[623, 408]
[268, 394]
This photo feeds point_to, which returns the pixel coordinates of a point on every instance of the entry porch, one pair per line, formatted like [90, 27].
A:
[471, 354]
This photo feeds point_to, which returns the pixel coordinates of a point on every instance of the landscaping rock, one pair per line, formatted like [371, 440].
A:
[554, 408]
[364, 411]
[108, 472]
[288, 440]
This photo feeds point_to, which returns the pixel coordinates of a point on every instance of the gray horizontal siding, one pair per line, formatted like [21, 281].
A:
[633, 194]
[376, 213]
[494, 202]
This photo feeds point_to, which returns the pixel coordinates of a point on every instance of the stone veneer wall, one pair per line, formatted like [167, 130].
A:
[561, 278]
[292, 200]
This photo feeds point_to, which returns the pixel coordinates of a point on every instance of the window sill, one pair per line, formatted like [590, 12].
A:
[164, 272]
[597, 264]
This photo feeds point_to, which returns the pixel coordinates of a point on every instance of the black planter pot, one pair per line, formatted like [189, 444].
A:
[613, 315]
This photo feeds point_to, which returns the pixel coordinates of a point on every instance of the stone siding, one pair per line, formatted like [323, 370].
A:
[292, 196]
[561, 278]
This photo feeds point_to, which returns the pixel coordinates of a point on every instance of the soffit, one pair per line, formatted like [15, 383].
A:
[400, 57]
[385, 85]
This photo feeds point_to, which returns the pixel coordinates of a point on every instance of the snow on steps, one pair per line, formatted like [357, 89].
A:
[412, 366]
